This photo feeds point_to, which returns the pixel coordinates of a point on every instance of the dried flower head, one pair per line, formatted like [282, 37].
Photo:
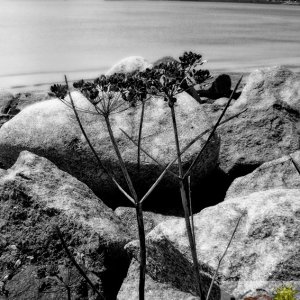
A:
[59, 90]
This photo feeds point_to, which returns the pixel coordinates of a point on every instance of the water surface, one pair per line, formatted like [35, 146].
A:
[40, 40]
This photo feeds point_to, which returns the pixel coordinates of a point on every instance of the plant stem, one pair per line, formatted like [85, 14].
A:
[186, 208]
[222, 257]
[139, 212]
[191, 209]
[93, 149]
[140, 135]
[82, 129]
[69, 292]
[213, 130]
[121, 161]
[167, 168]
[295, 164]
[72, 259]
[142, 238]
[148, 154]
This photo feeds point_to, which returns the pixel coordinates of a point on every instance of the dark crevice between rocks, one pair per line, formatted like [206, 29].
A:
[240, 170]
[207, 192]
[114, 276]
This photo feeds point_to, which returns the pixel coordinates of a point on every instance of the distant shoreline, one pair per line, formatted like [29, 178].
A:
[280, 2]
[38, 87]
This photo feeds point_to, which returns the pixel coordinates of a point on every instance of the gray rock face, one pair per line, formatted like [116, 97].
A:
[269, 86]
[35, 197]
[279, 173]
[50, 129]
[5, 98]
[269, 129]
[154, 290]
[263, 254]
[257, 136]
[151, 219]
[129, 64]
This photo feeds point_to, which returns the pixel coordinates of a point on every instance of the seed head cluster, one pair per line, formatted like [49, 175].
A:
[165, 80]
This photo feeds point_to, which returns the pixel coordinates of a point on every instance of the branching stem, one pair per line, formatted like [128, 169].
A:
[222, 257]
[74, 262]
[93, 149]
[185, 206]
[139, 212]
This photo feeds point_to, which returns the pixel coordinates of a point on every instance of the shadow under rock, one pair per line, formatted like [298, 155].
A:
[207, 192]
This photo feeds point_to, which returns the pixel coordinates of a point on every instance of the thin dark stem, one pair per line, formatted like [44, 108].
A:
[295, 165]
[121, 161]
[93, 149]
[175, 159]
[191, 209]
[186, 209]
[139, 212]
[185, 148]
[147, 153]
[213, 131]
[69, 292]
[82, 129]
[72, 259]
[222, 257]
[143, 251]
[140, 135]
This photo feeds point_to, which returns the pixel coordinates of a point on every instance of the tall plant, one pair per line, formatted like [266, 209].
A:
[174, 78]
[107, 95]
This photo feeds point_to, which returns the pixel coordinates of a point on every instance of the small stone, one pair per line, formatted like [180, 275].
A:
[18, 263]
[13, 247]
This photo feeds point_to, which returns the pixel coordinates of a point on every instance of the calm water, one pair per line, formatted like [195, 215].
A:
[40, 40]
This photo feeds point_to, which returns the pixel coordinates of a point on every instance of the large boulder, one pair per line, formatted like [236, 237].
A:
[30, 97]
[257, 136]
[279, 173]
[264, 252]
[50, 129]
[12, 104]
[269, 86]
[129, 65]
[36, 197]
[154, 290]
[269, 129]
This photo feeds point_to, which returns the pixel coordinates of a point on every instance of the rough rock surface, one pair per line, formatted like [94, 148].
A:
[269, 86]
[35, 198]
[21, 100]
[264, 252]
[151, 219]
[268, 130]
[5, 98]
[12, 104]
[279, 173]
[257, 136]
[129, 64]
[154, 290]
[50, 129]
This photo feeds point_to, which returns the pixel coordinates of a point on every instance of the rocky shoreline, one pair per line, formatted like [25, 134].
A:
[48, 179]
